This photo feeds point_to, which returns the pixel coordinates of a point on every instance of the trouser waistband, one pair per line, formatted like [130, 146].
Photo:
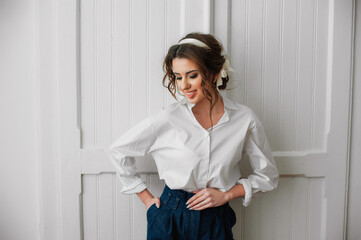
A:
[178, 198]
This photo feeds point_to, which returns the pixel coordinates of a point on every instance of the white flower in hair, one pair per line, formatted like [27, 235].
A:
[223, 73]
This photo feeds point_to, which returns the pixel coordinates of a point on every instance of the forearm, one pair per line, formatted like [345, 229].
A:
[148, 199]
[145, 196]
[236, 191]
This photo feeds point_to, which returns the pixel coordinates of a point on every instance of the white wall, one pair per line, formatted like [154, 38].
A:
[27, 131]
[19, 188]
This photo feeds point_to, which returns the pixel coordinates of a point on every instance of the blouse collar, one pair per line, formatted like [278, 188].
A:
[228, 104]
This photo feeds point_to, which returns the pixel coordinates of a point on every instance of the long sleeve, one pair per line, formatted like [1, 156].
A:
[134, 143]
[265, 174]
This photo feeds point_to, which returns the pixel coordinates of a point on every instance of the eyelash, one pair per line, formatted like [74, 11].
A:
[192, 76]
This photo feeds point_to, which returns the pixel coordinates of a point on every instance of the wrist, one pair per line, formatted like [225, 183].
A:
[145, 196]
[235, 192]
[228, 196]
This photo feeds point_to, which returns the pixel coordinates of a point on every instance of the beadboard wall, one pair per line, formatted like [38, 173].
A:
[292, 62]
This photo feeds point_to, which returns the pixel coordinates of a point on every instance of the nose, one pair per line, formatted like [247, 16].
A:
[183, 84]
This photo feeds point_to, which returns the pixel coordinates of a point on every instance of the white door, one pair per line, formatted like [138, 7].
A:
[292, 62]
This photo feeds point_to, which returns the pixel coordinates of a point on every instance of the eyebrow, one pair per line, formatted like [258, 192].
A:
[186, 72]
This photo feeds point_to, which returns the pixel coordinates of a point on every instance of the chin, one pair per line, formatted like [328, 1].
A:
[195, 100]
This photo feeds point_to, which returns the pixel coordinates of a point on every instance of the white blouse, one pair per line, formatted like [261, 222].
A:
[191, 158]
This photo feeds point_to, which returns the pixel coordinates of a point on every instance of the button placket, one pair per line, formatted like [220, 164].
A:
[206, 156]
[209, 139]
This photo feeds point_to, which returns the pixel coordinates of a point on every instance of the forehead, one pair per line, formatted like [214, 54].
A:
[183, 65]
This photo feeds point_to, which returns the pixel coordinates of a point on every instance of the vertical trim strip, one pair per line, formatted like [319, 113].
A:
[165, 47]
[147, 58]
[297, 85]
[131, 62]
[292, 210]
[78, 70]
[131, 102]
[112, 91]
[329, 71]
[115, 200]
[81, 207]
[182, 17]
[112, 110]
[263, 64]
[308, 220]
[97, 206]
[37, 105]
[208, 16]
[314, 71]
[95, 140]
[229, 26]
[349, 130]
[57, 102]
[260, 209]
[280, 70]
[131, 215]
[246, 52]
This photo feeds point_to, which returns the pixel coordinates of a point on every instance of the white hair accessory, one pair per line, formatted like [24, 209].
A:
[223, 73]
[194, 42]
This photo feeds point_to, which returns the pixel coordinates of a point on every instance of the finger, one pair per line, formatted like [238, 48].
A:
[157, 202]
[208, 205]
[197, 200]
[197, 195]
[202, 203]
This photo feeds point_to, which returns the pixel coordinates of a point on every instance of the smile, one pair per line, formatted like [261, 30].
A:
[191, 94]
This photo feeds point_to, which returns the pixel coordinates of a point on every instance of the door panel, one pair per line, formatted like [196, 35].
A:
[292, 67]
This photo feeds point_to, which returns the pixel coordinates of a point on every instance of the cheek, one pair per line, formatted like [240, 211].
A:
[198, 83]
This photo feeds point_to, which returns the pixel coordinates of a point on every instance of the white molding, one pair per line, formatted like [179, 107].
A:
[338, 128]
[47, 109]
[208, 16]
[69, 133]
[95, 161]
[38, 122]
[353, 220]
[350, 117]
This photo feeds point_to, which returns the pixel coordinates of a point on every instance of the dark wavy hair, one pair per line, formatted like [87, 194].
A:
[209, 62]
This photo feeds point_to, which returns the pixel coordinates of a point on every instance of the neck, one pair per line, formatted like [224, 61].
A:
[203, 108]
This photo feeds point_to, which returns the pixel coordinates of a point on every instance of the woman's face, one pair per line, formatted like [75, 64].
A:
[188, 79]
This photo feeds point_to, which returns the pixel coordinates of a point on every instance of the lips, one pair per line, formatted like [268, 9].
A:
[191, 93]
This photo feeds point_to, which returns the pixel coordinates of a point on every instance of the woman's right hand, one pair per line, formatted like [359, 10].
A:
[152, 201]
[148, 199]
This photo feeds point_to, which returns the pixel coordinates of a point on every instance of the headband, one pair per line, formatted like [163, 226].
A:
[225, 67]
[194, 42]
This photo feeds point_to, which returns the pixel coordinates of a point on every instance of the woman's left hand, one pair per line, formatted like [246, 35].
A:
[206, 198]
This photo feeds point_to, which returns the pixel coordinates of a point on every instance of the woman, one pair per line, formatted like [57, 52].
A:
[197, 144]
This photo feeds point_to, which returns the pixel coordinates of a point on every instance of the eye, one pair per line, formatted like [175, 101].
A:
[178, 78]
[193, 76]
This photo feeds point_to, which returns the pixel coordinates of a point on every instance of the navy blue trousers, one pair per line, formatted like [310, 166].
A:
[174, 221]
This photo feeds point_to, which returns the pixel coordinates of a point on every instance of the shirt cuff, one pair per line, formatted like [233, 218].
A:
[246, 200]
[137, 187]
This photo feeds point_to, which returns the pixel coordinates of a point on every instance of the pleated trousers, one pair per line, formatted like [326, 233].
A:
[174, 221]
